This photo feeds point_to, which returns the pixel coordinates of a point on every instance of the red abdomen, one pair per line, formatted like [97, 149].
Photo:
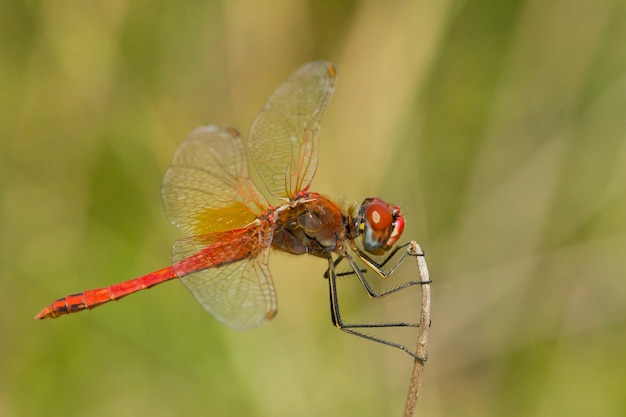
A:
[93, 298]
[209, 251]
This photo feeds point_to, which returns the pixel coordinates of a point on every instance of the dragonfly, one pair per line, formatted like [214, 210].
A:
[208, 193]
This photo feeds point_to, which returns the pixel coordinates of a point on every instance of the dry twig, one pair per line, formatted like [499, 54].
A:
[422, 338]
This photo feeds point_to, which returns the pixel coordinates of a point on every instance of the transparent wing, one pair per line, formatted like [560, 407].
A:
[227, 273]
[207, 187]
[283, 141]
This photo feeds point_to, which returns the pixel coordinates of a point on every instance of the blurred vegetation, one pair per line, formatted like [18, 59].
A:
[498, 127]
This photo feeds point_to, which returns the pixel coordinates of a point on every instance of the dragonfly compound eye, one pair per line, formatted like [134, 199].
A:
[381, 225]
[378, 216]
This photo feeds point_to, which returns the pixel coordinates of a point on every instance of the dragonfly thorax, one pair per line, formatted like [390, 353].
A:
[309, 225]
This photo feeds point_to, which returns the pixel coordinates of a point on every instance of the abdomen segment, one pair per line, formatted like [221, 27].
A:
[93, 298]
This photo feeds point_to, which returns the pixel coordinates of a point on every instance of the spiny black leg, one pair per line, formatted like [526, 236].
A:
[369, 288]
[352, 328]
[342, 274]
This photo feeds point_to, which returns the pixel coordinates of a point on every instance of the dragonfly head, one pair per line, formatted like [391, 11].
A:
[380, 225]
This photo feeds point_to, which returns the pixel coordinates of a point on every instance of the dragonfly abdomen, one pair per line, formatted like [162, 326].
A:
[93, 298]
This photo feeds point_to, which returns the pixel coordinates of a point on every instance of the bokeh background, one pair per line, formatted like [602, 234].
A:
[499, 127]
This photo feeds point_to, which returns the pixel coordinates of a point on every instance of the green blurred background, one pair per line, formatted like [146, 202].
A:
[499, 127]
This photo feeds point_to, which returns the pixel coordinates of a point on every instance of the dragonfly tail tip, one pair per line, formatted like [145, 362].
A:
[44, 314]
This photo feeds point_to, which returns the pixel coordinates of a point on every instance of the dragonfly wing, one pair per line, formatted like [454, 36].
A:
[227, 273]
[207, 187]
[283, 141]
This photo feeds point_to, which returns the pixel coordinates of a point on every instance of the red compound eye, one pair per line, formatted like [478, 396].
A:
[378, 215]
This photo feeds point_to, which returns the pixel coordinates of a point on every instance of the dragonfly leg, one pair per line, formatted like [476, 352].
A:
[381, 272]
[355, 328]
[345, 273]
[378, 267]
